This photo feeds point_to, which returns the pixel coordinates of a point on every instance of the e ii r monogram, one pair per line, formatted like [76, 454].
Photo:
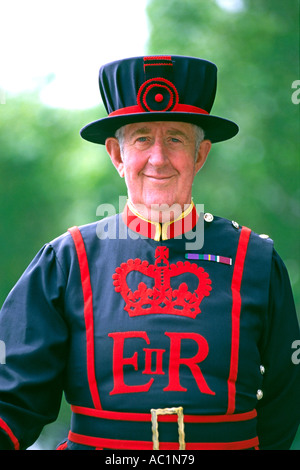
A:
[162, 299]
[153, 362]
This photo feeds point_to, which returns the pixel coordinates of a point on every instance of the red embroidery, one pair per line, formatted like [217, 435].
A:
[152, 87]
[192, 363]
[175, 361]
[163, 60]
[162, 298]
[119, 361]
[148, 361]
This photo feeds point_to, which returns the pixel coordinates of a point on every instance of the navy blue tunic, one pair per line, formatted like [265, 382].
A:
[126, 323]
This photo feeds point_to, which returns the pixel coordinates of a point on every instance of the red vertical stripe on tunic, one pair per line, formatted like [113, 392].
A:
[235, 315]
[88, 313]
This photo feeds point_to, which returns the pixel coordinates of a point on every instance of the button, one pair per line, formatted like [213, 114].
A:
[208, 217]
[262, 369]
[263, 235]
[259, 394]
[235, 224]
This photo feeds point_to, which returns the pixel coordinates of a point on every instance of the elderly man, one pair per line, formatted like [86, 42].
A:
[157, 342]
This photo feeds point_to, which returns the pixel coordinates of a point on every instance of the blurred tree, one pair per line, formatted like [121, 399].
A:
[50, 179]
[254, 178]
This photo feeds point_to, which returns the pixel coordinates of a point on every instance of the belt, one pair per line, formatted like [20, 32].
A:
[164, 429]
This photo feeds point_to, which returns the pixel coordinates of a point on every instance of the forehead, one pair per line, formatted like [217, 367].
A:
[167, 127]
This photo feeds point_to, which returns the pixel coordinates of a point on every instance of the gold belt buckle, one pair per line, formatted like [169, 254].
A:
[167, 411]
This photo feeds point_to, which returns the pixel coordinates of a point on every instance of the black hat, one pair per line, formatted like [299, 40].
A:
[159, 88]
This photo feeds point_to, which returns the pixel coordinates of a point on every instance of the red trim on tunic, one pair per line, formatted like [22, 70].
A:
[148, 229]
[88, 313]
[131, 416]
[235, 315]
[10, 434]
[137, 224]
[147, 445]
[62, 446]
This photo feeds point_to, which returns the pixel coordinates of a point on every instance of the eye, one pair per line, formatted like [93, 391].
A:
[175, 140]
[142, 140]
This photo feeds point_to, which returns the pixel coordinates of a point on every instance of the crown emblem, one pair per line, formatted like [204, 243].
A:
[161, 298]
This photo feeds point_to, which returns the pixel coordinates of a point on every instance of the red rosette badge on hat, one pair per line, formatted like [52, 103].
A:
[158, 94]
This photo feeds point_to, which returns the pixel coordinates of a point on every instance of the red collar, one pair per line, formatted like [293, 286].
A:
[184, 223]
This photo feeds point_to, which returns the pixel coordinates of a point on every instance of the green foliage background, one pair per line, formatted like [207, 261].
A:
[50, 179]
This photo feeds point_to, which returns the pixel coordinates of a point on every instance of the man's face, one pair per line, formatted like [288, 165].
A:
[159, 162]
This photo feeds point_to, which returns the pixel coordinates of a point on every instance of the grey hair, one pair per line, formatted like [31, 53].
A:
[199, 136]
[119, 135]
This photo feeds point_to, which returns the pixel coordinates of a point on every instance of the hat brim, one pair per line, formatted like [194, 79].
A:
[216, 129]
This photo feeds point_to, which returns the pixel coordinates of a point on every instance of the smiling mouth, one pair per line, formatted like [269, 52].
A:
[159, 178]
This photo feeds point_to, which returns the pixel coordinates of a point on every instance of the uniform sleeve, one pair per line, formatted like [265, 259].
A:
[278, 410]
[35, 334]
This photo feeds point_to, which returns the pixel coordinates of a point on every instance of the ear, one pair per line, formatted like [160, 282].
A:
[114, 151]
[202, 155]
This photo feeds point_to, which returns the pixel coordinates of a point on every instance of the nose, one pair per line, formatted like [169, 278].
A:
[158, 154]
